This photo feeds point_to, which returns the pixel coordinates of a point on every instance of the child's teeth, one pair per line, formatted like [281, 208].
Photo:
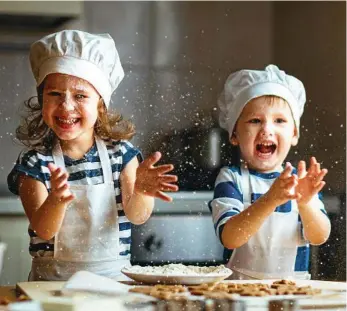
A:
[68, 121]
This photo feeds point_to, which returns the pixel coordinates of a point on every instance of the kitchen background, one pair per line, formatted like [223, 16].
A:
[176, 56]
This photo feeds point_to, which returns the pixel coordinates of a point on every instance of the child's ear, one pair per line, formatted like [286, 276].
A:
[295, 138]
[233, 140]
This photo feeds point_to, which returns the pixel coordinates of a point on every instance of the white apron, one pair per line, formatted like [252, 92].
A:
[89, 236]
[267, 255]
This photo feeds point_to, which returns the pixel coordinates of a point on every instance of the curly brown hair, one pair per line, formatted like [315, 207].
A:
[33, 132]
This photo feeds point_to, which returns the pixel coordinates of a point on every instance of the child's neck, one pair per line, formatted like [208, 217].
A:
[274, 169]
[76, 148]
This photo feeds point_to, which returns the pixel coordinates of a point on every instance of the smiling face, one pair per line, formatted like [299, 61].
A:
[70, 106]
[265, 131]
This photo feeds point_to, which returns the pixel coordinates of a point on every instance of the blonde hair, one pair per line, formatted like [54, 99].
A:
[273, 99]
[33, 132]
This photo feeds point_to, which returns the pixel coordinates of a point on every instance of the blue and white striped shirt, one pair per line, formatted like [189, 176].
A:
[85, 171]
[228, 202]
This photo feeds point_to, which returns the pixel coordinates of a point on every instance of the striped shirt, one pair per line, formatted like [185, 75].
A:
[228, 202]
[85, 171]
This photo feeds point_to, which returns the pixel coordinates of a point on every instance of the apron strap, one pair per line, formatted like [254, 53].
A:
[104, 160]
[58, 159]
[246, 185]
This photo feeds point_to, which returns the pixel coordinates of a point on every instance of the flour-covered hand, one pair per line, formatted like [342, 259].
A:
[60, 192]
[310, 181]
[152, 180]
[283, 188]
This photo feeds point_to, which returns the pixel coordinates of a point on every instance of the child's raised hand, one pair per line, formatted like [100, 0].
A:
[60, 191]
[283, 189]
[310, 182]
[152, 181]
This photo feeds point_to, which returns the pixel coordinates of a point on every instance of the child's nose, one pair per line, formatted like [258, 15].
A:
[68, 104]
[267, 128]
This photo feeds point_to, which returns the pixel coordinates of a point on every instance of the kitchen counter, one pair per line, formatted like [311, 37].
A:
[191, 202]
[183, 202]
[11, 206]
[195, 202]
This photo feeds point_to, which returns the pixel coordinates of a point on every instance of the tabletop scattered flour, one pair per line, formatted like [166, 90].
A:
[179, 269]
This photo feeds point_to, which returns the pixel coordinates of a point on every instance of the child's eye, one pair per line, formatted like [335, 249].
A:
[80, 96]
[280, 120]
[255, 120]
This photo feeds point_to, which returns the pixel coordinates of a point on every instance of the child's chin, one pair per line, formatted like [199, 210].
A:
[66, 136]
[265, 166]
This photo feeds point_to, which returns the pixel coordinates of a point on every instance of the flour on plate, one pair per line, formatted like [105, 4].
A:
[179, 269]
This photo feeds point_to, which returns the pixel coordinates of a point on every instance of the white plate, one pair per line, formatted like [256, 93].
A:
[174, 279]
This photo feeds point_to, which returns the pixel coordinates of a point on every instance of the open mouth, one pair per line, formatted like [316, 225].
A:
[266, 148]
[67, 122]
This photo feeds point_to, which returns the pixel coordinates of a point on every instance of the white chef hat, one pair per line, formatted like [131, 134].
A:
[92, 57]
[245, 85]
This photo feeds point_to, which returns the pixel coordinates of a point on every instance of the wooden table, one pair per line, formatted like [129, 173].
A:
[8, 292]
[11, 293]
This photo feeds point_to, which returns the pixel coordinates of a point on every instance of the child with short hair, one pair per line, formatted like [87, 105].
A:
[81, 183]
[266, 213]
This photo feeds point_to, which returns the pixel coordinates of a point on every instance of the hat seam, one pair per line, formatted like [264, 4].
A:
[265, 82]
[72, 57]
